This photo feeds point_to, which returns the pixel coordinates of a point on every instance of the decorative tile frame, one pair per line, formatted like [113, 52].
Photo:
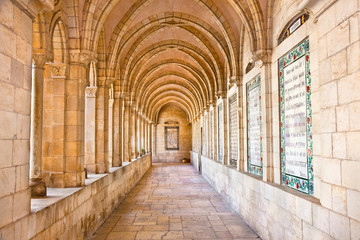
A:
[233, 123]
[254, 83]
[169, 131]
[295, 182]
[220, 123]
[212, 142]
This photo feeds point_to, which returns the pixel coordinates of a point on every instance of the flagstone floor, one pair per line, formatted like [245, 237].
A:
[173, 201]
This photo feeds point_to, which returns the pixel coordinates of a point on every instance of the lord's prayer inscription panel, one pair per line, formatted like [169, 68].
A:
[254, 151]
[295, 119]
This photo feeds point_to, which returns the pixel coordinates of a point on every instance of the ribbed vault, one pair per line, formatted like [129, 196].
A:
[180, 52]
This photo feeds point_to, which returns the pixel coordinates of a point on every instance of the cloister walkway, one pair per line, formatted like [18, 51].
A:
[173, 201]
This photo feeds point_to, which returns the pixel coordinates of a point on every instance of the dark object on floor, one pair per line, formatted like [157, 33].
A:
[185, 160]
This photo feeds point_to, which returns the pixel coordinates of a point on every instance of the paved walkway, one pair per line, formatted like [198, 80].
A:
[172, 201]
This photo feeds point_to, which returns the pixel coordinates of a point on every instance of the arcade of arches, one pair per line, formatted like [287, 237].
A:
[262, 96]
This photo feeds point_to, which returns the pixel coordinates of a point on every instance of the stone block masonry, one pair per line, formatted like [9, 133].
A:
[73, 213]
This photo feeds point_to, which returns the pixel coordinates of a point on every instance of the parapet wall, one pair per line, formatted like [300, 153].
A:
[273, 211]
[80, 214]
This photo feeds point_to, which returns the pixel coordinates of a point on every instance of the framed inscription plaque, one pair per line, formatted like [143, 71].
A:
[254, 139]
[296, 144]
[233, 125]
[171, 138]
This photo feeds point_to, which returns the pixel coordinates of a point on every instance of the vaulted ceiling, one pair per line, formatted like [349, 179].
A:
[172, 51]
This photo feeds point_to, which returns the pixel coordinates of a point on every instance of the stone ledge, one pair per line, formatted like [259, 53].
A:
[265, 205]
[76, 213]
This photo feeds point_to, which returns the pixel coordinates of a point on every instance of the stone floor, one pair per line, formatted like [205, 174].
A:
[172, 201]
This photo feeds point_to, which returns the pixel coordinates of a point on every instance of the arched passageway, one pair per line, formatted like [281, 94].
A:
[261, 95]
[173, 201]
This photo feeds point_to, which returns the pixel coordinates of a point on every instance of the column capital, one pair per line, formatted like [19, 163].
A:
[125, 96]
[221, 94]
[82, 56]
[40, 59]
[111, 103]
[58, 70]
[117, 95]
[90, 92]
[32, 8]
[261, 57]
[235, 80]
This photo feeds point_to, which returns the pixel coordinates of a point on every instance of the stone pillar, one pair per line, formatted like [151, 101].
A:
[154, 132]
[209, 132]
[146, 136]
[62, 150]
[121, 131]
[102, 124]
[90, 128]
[126, 126]
[117, 130]
[142, 133]
[111, 127]
[37, 186]
[150, 136]
[132, 129]
[54, 125]
[138, 136]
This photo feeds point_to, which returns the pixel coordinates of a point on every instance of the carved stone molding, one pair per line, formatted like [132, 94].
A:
[58, 70]
[82, 57]
[111, 103]
[221, 94]
[101, 81]
[234, 79]
[261, 57]
[40, 60]
[90, 92]
[117, 95]
[317, 8]
[33, 8]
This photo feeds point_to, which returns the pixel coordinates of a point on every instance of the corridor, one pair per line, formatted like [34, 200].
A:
[172, 201]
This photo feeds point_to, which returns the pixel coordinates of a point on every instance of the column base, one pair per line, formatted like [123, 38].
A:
[37, 187]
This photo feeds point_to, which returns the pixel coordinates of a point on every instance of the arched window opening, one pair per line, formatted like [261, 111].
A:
[293, 25]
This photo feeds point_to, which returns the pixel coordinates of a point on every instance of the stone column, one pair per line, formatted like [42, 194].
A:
[117, 130]
[132, 129]
[111, 132]
[126, 126]
[90, 128]
[121, 131]
[154, 132]
[209, 132]
[54, 125]
[138, 132]
[146, 136]
[150, 137]
[111, 127]
[143, 133]
[37, 186]
[102, 124]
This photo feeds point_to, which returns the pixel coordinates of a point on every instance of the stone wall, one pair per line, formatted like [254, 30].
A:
[15, 92]
[275, 211]
[167, 118]
[81, 213]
